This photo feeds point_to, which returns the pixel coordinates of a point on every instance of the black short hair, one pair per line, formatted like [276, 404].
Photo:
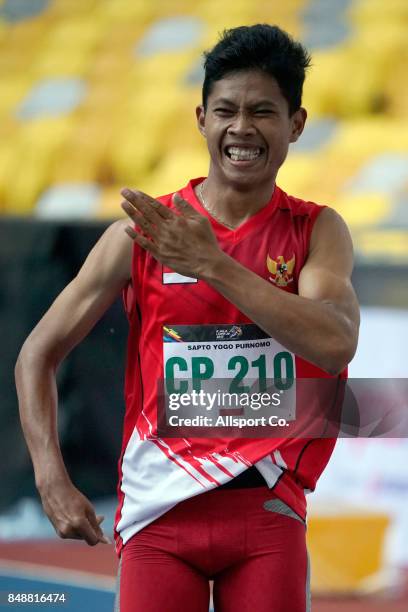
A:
[259, 47]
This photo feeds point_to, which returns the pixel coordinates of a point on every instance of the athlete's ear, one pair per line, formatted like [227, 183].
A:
[200, 114]
[298, 121]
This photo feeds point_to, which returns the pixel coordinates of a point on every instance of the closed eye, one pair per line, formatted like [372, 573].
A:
[223, 111]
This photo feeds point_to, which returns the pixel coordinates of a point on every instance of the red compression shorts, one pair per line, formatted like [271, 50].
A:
[246, 540]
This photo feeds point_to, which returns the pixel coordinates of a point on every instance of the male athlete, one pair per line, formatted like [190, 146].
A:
[231, 255]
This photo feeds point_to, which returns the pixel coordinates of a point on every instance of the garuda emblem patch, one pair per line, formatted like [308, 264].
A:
[281, 270]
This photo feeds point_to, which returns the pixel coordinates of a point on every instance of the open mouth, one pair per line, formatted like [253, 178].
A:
[243, 154]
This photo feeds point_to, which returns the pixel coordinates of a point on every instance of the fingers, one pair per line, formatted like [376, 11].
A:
[183, 206]
[150, 216]
[131, 232]
[80, 528]
[85, 528]
[72, 514]
[152, 209]
[90, 532]
[83, 525]
[98, 520]
[142, 221]
[145, 243]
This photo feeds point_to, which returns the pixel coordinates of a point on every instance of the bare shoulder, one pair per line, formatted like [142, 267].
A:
[111, 257]
[331, 246]
[326, 275]
[118, 227]
[330, 230]
[116, 236]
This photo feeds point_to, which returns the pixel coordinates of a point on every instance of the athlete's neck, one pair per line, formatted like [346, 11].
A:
[234, 203]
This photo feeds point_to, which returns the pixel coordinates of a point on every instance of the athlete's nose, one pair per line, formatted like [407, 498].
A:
[241, 125]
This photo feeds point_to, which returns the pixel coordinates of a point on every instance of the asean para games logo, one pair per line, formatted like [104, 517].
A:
[230, 333]
[281, 270]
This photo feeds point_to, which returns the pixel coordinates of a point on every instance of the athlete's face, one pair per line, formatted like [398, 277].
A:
[248, 128]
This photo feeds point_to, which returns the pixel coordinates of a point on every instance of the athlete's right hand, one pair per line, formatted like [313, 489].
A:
[71, 513]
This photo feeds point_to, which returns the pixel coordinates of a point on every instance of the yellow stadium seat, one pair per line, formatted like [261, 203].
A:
[237, 14]
[185, 133]
[64, 9]
[13, 62]
[76, 33]
[68, 48]
[13, 89]
[346, 81]
[396, 92]
[136, 124]
[116, 66]
[180, 8]
[302, 175]
[350, 80]
[338, 169]
[101, 101]
[390, 246]
[109, 207]
[153, 103]
[246, 12]
[108, 70]
[387, 49]
[141, 137]
[51, 63]
[28, 32]
[283, 14]
[325, 80]
[29, 184]
[363, 138]
[175, 170]
[34, 153]
[137, 11]
[366, 12]
[363, 210]
[239, 10]
[7, 156]
[133, 154]
[3, 31]
[83, 166]
[83, 157]
[162, 71]
[298, 174]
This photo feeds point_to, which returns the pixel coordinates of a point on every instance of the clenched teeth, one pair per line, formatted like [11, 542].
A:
[238, 154]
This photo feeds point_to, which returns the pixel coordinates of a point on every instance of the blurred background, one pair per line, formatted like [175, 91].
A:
[100, 94]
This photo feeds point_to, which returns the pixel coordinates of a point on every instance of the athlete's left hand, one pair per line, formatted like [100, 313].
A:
[182, 240]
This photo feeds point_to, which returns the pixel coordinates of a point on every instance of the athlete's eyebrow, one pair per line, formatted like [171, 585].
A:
[223, 101]
[263, 102]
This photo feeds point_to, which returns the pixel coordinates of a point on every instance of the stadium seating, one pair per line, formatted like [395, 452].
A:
[103, 93]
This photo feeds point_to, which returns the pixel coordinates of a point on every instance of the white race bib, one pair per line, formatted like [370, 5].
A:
[235, 359]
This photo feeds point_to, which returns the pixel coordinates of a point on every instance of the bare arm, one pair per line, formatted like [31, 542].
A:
[321, 323]
[70, 318]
